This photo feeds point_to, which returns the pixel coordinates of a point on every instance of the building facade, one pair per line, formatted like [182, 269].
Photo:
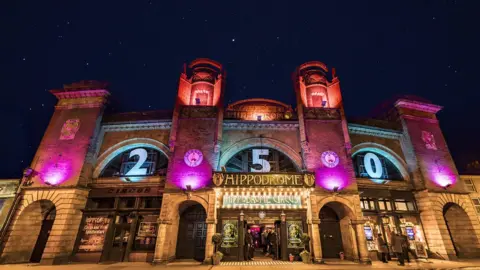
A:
[156, 186]
[8, 189]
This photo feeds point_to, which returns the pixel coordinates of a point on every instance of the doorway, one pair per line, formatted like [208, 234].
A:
[46, 228]
[121, 235]
[330, 233]
[192, 233]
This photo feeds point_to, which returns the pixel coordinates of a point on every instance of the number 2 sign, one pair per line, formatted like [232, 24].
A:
[142, 157]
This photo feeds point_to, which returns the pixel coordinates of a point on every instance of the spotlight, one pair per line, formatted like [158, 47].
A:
[335, 189]
[128, 179]
[324, 103]
[189, 187]
[447, 186]
[224, 169]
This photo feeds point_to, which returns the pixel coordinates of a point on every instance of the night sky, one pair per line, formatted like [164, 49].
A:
[379, 48]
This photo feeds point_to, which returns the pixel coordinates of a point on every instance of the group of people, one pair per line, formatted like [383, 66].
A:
[399, 245]
[269, 240]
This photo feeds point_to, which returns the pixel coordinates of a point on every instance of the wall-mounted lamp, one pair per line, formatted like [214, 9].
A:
[128, 179]
[188, 188]
[335, 189]
[447, 186]
[28, 173]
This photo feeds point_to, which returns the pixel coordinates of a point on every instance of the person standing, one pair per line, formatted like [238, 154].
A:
[272, 238]
[248, 246]
[406, 248]
[397, 248]
[382, 248]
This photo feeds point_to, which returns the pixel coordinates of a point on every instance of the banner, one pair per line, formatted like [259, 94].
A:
[229, 233]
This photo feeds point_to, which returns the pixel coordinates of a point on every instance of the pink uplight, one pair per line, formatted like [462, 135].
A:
[332, 178]
[443, 180]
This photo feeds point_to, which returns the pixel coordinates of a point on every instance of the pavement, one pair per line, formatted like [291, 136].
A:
[431, 264]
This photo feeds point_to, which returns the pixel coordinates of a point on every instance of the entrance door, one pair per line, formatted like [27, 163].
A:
[192, 234]
[119, 244]
[42, 239]
[330, 234]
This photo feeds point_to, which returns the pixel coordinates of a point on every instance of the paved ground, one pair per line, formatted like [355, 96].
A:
[432, 264]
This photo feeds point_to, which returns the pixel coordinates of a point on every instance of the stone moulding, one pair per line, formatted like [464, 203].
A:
[374, 131]
[257, 125]
[132, 126]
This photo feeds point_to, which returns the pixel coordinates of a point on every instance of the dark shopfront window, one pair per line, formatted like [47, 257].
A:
[385, 205]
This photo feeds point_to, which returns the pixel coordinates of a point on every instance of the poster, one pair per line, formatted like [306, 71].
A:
[147, 229]
[294, 233]
[410, 233]
[420, 249]
[94, 232]
[368, 233]
[229, 233]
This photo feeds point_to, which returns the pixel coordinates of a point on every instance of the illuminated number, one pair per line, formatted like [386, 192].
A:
[142, 157]
[256, 153]
[367, 161]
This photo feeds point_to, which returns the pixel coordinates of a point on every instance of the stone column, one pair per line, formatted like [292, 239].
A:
[361, 241]
[316, 241]
[161, 247]
[209, 247]
[241, 236]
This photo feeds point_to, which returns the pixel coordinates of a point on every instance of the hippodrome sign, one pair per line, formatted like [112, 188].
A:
[224, 179]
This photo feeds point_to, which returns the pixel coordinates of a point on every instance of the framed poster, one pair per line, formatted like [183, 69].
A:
[368, 233]
[294, 234]
[94, 232]
[229, 233]
[410, 233]
[420, 249]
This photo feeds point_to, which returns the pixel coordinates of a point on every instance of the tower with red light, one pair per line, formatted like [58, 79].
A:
[323, 127]
[62, 158]
[196, 125]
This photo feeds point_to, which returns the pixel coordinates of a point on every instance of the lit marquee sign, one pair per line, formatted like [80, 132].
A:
[263, 179]
[262, 200]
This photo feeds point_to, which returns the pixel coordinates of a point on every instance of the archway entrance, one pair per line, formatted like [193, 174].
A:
[461, 231]
[336, 232]
[331, 236]
[45, 229]
[192, 232]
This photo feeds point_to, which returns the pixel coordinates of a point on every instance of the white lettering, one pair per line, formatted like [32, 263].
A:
[367, 161]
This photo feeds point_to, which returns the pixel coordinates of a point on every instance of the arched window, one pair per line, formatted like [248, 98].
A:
[373, 165]
[141, 161]
[260, 159]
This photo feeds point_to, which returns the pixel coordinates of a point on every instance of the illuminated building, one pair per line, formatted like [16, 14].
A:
[156, 186]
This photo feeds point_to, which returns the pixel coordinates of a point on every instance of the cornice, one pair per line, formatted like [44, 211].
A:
[374, 131]
[258, 125]
[419, 106]
[132, 126]
[62, 94]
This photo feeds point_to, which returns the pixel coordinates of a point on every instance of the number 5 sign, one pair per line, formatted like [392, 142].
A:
[256, 153]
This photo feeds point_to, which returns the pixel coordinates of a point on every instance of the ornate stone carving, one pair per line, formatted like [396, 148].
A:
[429, 140]
[141, 125]
[305, 147]
[258, 109]
[69, 129]
[322, 113]
[198, 112]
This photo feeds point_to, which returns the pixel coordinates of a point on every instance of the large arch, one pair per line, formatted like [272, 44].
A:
[461, 225]
[33, 208]
[339, 233]
[387, 153]
[126, 145]
[172, 207]
[238, 146]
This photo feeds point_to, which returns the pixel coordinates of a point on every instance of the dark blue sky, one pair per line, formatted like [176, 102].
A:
[379, 48]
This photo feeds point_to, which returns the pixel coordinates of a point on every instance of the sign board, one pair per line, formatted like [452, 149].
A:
[262, 200]
[225, 179]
